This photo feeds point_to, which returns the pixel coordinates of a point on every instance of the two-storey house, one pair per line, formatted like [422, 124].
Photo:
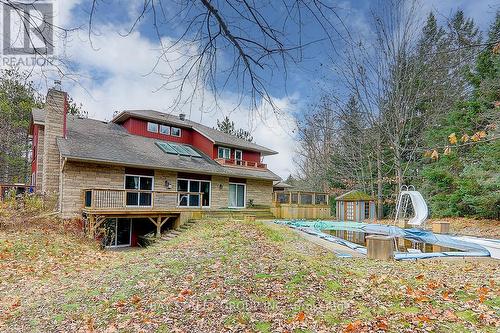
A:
[144, 170]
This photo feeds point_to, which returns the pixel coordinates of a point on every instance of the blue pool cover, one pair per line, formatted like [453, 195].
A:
[314, 228]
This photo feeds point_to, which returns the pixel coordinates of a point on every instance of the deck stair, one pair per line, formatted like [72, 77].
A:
[173, 233]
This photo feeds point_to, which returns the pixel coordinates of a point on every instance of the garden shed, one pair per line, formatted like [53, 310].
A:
[355, 206]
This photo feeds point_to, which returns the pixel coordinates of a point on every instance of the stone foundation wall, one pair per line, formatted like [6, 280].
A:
[80, 176]
[260, 191]
[220, 196]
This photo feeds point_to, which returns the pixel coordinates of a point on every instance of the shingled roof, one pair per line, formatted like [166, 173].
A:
[214, 135]
[97, 141]
[354, 195]
[38, 116]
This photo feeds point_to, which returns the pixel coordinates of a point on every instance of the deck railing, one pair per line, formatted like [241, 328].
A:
[300, 198]
[241, 163]
[131, 199]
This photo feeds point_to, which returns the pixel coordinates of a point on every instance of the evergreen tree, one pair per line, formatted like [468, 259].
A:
[227, 126]
[466, 181]
[17, 98]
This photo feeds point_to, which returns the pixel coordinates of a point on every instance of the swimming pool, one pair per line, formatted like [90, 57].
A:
[442, 245]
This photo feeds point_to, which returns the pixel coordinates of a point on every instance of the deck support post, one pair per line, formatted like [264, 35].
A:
[159, 222]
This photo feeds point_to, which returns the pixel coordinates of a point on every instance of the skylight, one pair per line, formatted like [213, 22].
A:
[177, 149]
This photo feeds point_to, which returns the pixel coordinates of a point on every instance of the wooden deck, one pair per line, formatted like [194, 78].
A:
[301, 205]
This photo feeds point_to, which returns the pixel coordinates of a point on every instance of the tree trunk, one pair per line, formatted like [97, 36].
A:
[380, 207]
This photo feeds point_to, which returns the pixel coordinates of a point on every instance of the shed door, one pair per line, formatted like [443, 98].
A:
[350, 211]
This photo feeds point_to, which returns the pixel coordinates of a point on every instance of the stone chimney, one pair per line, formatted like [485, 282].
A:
[56, 107]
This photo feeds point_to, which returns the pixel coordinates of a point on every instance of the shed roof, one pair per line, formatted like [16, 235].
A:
[354, 195]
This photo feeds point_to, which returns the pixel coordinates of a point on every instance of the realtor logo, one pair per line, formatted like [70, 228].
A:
[28, 32]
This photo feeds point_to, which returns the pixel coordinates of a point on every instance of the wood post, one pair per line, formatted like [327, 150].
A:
[380, 247]
[158, 227]
[441, 227]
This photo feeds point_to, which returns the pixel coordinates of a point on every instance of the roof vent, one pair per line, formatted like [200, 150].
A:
[182, 116]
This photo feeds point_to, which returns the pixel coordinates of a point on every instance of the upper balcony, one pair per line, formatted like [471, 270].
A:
[241, 163]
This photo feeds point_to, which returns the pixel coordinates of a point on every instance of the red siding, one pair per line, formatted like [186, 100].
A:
[202, 143]
[140, 127]
[251, 156]
[188, 136]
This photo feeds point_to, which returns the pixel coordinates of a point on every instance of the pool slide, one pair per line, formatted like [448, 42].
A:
[419, 207]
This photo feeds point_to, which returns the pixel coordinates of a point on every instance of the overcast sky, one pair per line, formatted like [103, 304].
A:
[113, 74]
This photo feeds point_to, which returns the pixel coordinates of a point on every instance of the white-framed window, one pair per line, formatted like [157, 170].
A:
[175, 131]
[194, 193]
[237, 195]
[152, 127]
[238, 155]
[139, 190]
[118, 232]
[224, 153]
[164, 129]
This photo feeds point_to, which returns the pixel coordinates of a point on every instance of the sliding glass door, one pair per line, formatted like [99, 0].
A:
[237, 195]
[118, 232]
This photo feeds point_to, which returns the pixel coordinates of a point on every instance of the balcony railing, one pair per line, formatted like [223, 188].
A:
[117, 199]
[300, 198]
[241, 163]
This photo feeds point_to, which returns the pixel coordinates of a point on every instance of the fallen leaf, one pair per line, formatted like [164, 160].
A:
[300, 316]
[187, 292]
[452, 138]
[382, 325]
[353, 327]
[423, 318]
[135, 299]
[432, 285]
[419, 277]
[435, 155]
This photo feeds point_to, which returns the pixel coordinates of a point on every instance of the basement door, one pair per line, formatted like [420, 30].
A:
[118, 232]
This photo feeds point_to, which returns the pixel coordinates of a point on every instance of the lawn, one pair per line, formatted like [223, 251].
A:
[233, 276]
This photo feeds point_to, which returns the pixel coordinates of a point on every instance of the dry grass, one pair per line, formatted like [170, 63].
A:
[232, 276]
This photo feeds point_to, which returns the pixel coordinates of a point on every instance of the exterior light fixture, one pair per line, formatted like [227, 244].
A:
[168, 185]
